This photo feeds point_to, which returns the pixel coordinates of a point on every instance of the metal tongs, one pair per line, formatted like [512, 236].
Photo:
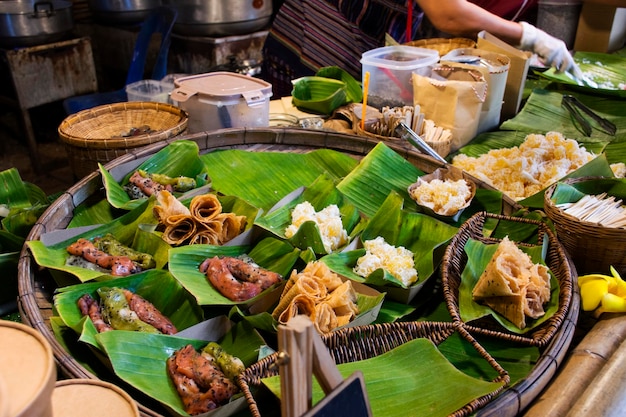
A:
[575, 107]
[406, 133]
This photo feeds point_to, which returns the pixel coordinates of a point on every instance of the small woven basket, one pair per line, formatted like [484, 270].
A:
[443, 45]
[100, 135]
[455, 260]
[364, 342]
[592, 247]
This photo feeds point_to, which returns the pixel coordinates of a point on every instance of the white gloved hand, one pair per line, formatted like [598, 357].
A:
[551, 51]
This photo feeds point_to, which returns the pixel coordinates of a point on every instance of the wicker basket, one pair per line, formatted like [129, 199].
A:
[593, 248]
[365, 342]
[455, 259]
[443, 45]
[100, 134]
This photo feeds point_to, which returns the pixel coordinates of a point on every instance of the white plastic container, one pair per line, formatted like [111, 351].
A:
[149, 90]
[391, 69]
[220, 100]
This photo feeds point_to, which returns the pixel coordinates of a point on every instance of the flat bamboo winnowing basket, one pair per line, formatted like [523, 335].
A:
[364, 342]
[455, 260]
[592, 247]
[99, 134]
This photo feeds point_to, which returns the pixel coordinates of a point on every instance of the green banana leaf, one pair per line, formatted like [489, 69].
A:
[425, 236]
[321, 194]
[21, 205]
[140, 360]
[179, 158]
[544, 113]
[128, 229]
[354, 92]
[516, 359]
[479, 255]
[10, 242]
[607, 70]
[157, 286]
[13, 191]
[431, 386]
[94, 210]
[184, 263]
[263, 178]
[380, 172]
[82, 353]
[570, 193]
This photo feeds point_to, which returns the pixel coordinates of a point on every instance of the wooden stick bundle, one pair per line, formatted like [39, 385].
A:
[413, 117]
[604, 210]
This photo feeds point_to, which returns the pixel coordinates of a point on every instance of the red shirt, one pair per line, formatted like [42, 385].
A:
[509, 9]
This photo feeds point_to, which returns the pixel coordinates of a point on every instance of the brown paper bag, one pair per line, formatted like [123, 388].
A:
[518, 71]
[452, 97]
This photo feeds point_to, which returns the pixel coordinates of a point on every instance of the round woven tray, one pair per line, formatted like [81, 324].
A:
[593, 248]
[443, 45]
[36, 287]
[102, 133]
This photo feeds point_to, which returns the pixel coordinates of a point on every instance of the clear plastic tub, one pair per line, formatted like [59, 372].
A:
[220, 100]
[391, 69]
[149, 90]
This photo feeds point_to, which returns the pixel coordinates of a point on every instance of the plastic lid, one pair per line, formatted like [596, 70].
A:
[225, 86]
[27, 369]
[91, 397]
[400, 57]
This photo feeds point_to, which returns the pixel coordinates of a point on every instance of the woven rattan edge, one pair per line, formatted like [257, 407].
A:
[364, 342]
[593, 247]
[454, 261]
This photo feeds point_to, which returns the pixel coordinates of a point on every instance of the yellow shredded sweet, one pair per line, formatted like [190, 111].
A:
[522, 171]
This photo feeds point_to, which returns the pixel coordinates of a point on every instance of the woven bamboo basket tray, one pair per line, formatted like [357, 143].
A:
[455, 260]
[365, 342]
[592, 247]
[443, 45]
[36, 286]
[101, 134]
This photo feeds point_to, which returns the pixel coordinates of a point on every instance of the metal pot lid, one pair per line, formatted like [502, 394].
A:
[35, 8]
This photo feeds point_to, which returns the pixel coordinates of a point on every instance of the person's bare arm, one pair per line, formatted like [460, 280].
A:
[461, 18]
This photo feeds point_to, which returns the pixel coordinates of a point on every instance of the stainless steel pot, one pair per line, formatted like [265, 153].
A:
[122, 11]
[27, 23]
[221, 17]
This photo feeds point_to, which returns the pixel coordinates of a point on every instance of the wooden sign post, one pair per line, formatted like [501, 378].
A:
[303, 354]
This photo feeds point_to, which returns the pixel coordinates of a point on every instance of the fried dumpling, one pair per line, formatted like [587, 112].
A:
[512, 285]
